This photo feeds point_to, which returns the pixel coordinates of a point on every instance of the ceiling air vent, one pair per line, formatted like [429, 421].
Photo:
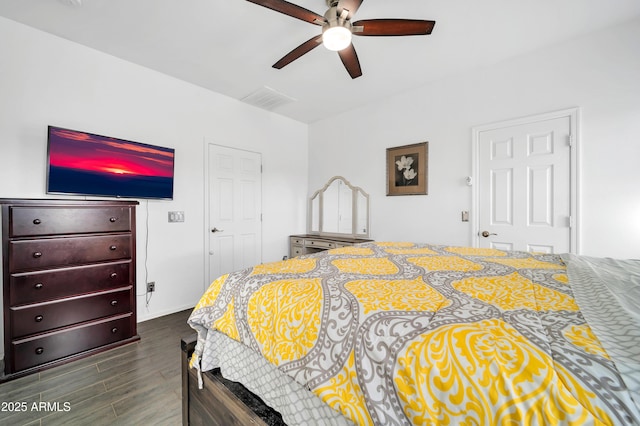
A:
[267, 98]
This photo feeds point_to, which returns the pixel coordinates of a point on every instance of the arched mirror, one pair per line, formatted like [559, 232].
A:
[339, 208]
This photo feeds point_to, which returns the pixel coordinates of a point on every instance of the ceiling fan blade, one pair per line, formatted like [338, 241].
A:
[292, 10]
[350, 61]
[351, 5]
[392, 27]
[305, 47]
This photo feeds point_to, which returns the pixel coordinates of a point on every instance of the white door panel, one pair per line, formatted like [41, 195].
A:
[234, 200]
[524, 194]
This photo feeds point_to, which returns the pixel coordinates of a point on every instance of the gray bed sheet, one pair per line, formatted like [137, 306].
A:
[608, 293]
[297, 405]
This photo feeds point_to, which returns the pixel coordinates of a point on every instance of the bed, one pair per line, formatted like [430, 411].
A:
[406, 333]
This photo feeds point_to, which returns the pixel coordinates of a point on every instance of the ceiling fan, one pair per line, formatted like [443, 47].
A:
[337, 29]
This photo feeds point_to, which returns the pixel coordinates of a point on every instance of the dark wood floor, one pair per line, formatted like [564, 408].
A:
[137, 384]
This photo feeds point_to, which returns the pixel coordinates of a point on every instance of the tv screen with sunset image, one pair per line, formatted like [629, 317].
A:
[87, 164]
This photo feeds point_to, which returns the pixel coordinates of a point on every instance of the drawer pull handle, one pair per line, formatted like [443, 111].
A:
[37, 221]
[112, 219]
[113, 248]
[37, 254]
[38, 286]
[114, 302]
[39, 351]
[113, 275]
[39, 318]
[114, 330]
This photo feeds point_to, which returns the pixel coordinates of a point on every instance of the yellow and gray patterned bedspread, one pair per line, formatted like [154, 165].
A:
[403, 333]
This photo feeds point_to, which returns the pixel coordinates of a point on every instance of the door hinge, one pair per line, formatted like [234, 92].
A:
[570, 140]
[570, 221]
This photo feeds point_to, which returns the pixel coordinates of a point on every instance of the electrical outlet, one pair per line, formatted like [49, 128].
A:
[151, 286]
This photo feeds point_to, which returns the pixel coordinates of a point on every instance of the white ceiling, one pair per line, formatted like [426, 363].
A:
[228, 46]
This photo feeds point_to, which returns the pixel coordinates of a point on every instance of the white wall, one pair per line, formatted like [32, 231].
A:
[47, 80]
[599, 73]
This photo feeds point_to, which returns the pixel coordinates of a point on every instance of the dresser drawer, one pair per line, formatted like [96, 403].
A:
[33, 351]
[320, 244]
[27, 255]
[32, 221]
[33, 287]
[296, 251]
[32, 319]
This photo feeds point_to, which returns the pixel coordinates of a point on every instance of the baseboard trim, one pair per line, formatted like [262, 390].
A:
[143, 318]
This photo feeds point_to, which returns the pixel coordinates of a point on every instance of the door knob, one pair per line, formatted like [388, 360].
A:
[487, 233]
[217, 230]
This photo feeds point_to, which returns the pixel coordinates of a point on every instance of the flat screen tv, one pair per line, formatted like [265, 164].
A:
[82, 163]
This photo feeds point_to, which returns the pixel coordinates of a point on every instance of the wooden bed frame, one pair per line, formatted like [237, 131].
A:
[220, 401]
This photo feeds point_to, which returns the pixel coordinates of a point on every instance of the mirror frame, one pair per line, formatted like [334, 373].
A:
[355, 190]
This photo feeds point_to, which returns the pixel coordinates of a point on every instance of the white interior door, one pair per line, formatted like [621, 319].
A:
[235, 205]
[524, 178]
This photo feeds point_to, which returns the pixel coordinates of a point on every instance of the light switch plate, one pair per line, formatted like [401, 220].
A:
[176, 217]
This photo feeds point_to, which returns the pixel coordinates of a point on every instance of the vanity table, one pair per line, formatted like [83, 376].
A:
[338, 216]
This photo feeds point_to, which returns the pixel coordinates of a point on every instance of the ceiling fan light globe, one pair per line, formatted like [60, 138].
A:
[336, 38]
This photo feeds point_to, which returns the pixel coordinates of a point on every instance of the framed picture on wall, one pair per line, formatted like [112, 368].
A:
[407, 169]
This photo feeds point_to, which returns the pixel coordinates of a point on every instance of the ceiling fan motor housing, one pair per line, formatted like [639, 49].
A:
[337, 29]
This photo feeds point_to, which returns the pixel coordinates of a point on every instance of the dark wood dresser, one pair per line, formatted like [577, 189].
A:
[69, 275]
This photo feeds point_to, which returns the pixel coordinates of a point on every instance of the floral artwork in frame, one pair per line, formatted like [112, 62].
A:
[407, 168]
